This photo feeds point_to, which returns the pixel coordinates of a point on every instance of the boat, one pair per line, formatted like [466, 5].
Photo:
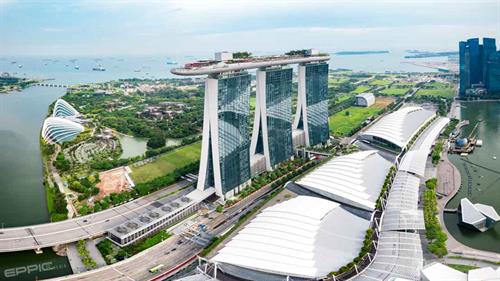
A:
[77, 67]
[137, 70]
[99, 68]
[171, 62]
[494, 158]
[20, 66]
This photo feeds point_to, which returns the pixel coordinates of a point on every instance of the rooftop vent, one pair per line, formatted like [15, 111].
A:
[185, 199]
[144, 219]
[154, 215]
[121, 229]
[132, 225]
[175, 204]
[166, 209]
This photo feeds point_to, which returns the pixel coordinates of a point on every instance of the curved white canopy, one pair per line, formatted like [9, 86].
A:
[305, 237]
[354, 179]
[400, 126]
[415, 159]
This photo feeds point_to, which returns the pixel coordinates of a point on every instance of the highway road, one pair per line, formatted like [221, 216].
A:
[137, 267]
[58, 233]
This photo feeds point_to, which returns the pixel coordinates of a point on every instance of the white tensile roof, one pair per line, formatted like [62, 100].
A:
[488, 211]
[399, 255]
[305, 237]
[401, 210]
[415, 159]
[439, 272]
[354, 179]
[484, 274]
[470, 214]
[399, 126]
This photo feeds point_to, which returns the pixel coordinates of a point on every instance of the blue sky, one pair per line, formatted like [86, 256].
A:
[112, 27]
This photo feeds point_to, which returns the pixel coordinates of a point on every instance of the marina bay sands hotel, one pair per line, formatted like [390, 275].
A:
[229, 157]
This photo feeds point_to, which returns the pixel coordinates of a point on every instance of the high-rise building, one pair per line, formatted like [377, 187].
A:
[478, 65]
[225, 160]
[228, 158]
[272, 133]
[312, 103]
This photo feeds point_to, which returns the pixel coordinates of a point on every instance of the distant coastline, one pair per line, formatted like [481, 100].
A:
[354, 53]
[415, 54]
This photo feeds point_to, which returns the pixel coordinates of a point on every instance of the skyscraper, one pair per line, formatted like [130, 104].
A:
[477, 66]
[225, 162]
[228, 158]
[312, 103]
[272, 133]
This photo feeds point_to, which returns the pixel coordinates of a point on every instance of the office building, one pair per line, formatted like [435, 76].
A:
[479, 68]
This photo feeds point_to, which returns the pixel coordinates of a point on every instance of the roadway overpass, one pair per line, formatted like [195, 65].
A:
[36, 237]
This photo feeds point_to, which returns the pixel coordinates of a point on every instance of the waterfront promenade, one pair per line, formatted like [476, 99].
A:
[449, 181]
[58, 233]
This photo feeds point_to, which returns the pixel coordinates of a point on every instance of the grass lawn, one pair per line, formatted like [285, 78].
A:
[404, 84]
[343, 96]
[379, 82]
[462, 268]
[441, 92]
[437, 89]
[394, 91]
[361, 89]
[337, 81]
[341, 124]
[167, 162]
[147, 243]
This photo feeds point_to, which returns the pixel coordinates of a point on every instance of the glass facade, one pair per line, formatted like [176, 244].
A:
[317, 102]
[478, 65]
[464, 70]
[233, 122]
[279, 114]
[476, 70]
[494, 74]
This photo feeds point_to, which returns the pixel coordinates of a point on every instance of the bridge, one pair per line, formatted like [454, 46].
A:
[36, 237]
[52, 85]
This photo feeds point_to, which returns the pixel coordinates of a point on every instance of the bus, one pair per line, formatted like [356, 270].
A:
[156, 268]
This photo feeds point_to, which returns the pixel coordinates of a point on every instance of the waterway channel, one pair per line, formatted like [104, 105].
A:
[22, 200]
[480, 173]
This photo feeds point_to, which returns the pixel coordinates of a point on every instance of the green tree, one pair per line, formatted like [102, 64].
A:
[156, 141]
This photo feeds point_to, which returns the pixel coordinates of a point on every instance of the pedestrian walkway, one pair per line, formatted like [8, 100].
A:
[74, 259]
[94, 253]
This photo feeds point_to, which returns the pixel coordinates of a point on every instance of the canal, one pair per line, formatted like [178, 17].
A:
[480, 173]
